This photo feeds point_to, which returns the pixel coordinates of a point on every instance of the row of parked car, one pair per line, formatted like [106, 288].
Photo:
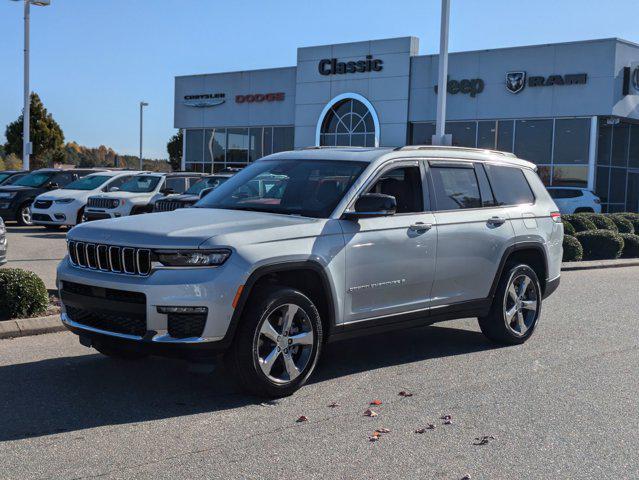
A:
[54, 198]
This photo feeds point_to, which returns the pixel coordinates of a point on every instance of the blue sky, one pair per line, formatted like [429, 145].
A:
[92, 61]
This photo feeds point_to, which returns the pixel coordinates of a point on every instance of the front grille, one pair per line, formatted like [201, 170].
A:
[109, 321]
[189, 325]
[108, 293]
[42, 204]
[41, 217]
[168, 206]
[90, 216]
[110, 258]
[97, 202]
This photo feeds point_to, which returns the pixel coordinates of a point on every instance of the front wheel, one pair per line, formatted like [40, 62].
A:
[24, 215]
[516, 307]
[278, 343]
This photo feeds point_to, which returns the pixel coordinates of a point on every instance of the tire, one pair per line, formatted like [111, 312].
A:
[501, 325]
[256, 346]
[119, 353]
[22, 217]
[78, 219]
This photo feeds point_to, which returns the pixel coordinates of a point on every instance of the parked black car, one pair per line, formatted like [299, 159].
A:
[193, 194]
[16, 199]
[9, 177]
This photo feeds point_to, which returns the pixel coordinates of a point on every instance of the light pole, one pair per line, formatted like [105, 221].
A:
[142, 105]
[26, 143]
[440, 137]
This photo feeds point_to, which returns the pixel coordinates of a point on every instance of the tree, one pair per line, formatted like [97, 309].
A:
[12, 162]
[46, 135]
[174, 148]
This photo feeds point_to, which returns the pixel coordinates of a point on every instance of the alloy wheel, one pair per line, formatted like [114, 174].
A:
[284, 344]
[25, 215]
[521, 304]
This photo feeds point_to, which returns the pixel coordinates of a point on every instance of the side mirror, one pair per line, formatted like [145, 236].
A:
[206, 191]
[167, 191]
[114, 189]
[373, 205]
[52, 186]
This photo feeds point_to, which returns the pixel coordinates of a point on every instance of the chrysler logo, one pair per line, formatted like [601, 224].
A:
[204, 100]
[515, 81]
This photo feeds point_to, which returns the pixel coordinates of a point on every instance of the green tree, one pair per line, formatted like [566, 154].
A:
[46, 135]
[174, 149]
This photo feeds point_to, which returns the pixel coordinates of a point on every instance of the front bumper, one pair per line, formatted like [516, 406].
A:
[57, 214]
[163, 287]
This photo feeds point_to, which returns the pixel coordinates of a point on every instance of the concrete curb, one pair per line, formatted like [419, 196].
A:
[596, 264]
[24, 327]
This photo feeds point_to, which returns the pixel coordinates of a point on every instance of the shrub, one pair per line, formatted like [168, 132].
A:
[632, 218]
[600, 244]
[623, 224]
[573, 252]
[22, 293]
[601, 221]
[568, 228]
[630, 245]
[580, 222]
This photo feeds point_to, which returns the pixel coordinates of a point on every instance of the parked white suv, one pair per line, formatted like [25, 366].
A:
[575, 200]
[346, 241]
[138, 195]
[66, 205]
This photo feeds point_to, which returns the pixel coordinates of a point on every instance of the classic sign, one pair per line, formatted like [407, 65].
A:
[330, 66]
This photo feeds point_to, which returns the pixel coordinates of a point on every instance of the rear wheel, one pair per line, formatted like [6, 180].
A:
[278, 343]
[78, 220]
[516, 307]
[24, 215]
[119, 353]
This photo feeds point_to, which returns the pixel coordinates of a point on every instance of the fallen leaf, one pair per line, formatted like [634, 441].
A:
[376, 402]
[420, 430]
[370, 413]
[302, 418]
[405, 394]
[374, 438]
[334, 405]
[381, 430]
[483, 440]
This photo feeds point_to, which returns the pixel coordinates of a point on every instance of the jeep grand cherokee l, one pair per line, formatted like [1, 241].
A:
[339, 242]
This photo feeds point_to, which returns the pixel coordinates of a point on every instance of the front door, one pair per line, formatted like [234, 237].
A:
[390, 261]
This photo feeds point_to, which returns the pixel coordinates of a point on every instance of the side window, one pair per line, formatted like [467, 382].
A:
[487, 197]
[405, 184]
[63, 179]
[510, 185]
[192, 181]
[455, 187]
[178, 185]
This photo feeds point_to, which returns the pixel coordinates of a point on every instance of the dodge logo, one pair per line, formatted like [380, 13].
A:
[515, 81]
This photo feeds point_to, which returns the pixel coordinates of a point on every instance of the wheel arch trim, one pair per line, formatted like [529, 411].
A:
[515, 248]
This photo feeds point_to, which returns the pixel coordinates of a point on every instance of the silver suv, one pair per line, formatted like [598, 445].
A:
[310, 246]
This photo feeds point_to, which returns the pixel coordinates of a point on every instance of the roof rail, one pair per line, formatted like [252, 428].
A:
[322, 147]
[461, 149]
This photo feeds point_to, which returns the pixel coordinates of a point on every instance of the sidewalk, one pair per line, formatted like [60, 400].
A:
[590, 264]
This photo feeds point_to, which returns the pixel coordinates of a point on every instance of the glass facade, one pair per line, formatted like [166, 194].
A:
[617, 174]
[213, 149]
[560, 147]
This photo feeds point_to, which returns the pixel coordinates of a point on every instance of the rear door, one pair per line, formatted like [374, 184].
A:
[473, 232]
[390, 261]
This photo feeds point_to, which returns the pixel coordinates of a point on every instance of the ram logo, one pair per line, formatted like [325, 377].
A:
[515, 81]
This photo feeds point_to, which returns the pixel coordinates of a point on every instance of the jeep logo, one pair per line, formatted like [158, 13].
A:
[470, 87]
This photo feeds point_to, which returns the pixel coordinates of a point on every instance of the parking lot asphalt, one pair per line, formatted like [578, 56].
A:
[36, 249]
[564, 405]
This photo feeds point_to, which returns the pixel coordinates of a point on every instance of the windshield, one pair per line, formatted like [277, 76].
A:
[3, 177]
[311, 188]
[141, 184]
[212, 182]
[34, 179]
[87, 183]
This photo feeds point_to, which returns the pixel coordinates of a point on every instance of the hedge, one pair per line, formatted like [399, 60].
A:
[580, 222]
[632, 218]
[630, 245]
[600, 244]
[568, 228]
[601, 221]
[573, 252]
[22, 294]
[623, 224]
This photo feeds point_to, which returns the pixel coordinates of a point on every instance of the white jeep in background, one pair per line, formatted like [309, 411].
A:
[575, 200]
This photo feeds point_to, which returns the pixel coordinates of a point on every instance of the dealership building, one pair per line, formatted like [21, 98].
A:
[572, 108]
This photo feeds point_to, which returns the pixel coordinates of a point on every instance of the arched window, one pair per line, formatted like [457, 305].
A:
[350, 122]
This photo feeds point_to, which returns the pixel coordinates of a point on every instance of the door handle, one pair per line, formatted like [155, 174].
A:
[496, 221]
[420, 226]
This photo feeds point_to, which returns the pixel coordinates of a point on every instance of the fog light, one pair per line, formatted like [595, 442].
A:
[118, 215]
[168, 310]
[60, 216]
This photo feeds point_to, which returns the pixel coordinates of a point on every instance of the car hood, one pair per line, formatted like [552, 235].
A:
[197, 227]
[127, 195]
[56, 194]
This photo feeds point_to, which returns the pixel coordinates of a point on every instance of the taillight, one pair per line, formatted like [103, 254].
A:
[556, 217]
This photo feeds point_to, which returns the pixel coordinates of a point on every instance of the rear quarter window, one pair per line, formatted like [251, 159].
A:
[509, 185]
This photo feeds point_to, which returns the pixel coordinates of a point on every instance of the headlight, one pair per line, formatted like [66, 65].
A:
[64, 200]
[117, 203]
[192, 258]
